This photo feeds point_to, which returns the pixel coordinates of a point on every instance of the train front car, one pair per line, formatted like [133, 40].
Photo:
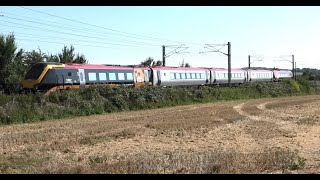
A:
[180, 76]
[74, 76]
[33, 80]
[49, 77]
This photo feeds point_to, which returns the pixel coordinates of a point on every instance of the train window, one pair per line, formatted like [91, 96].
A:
[202, 76]
[164, 74]
[183, 75]
[177, 75]
[69, 73]
[172, 76]
[35, 71]
[102, 76]
[92, 76]
[121, 76]
[188, 75]
[112, 76]
[129, 76]
[198, 76]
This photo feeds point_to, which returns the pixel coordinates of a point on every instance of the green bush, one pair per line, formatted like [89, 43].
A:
[106, 99]
[293, 84]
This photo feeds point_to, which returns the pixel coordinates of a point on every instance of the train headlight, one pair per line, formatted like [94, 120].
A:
[36, 86]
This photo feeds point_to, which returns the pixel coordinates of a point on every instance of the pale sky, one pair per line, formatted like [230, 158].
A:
[129, 34]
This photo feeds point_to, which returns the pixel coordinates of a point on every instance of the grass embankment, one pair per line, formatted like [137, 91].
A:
[99, 100]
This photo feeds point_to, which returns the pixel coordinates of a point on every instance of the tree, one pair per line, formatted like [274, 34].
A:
[52, 58]
[34, 57]
[12, 68]
[158, 63]
[81, 59]
[185, 65]
[68, 56]
[150, 62]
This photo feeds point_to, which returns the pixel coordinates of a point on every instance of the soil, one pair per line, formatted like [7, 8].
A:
[245, 125]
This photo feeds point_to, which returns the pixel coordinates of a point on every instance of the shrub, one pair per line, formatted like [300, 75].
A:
[102, 99]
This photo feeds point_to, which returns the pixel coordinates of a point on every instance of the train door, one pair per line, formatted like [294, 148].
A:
[248, 76]
[154, 77]
[159, 77]
[82, 78]
[138, 77]
[146, 76]
[207, 77]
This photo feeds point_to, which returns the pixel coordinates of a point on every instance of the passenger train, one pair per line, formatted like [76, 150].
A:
[48, 77]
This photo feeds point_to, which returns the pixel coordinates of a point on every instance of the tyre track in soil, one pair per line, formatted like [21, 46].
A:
[246, 126]
[294, 136]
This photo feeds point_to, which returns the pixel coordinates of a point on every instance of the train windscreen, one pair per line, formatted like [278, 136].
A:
[35, 71]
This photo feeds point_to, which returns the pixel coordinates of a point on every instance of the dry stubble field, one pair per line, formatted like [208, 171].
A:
[274, 135]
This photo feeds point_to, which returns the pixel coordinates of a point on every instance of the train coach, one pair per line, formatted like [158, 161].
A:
[181, 76]
[279, 75]
[219, 76]
[56, 76]
[260, 75]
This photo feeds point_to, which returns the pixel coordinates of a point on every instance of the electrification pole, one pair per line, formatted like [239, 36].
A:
[212, 48]
[293, 73]
[229, 64]
[249, 62]
[163, 55]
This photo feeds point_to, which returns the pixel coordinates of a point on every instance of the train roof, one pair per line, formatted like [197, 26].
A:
[225, 69]
[259, 70]
[178, 68]
[94, 66]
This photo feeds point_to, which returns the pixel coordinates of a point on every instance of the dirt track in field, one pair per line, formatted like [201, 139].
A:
[246, 126]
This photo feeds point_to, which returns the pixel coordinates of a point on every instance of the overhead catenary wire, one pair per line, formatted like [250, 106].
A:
[79, 35]
[101, 27]
[85, 30]
[71, 39]
[110, 47]
[73, 34]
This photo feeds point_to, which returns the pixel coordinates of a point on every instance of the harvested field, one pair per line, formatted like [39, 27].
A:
[273, 135]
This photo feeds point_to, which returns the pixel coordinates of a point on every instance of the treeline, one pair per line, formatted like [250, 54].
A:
[14, 62]
[105, 99]
[310, 73]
